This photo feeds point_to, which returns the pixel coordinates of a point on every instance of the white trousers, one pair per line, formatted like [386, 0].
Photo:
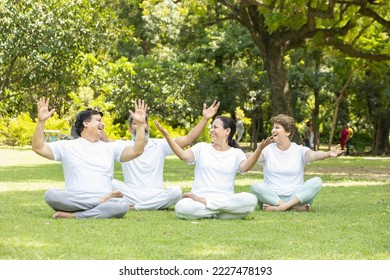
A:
[149, 199]
[234, 206]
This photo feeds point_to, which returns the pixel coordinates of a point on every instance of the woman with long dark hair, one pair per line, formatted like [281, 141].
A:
[216, 166]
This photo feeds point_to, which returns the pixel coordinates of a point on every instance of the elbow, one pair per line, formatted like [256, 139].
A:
[36, 148]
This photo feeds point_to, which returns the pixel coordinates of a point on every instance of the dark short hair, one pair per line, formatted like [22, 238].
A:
[85, 116]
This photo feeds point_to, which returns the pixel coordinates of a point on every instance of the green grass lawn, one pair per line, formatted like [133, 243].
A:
[349, 221]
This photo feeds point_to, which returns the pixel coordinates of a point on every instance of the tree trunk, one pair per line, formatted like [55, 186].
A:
[316, 110]
[380, 145]
[336, 109]
[272, 51]
[257, 127]
[280, 90]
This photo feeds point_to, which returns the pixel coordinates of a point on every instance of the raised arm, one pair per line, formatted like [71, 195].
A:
[207, 113]
[311, 156]
[248, 164]
[38, 141]
[139, 115]
[185, 155]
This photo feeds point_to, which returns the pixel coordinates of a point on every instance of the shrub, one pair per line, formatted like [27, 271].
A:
[20, 130]
[3, 130]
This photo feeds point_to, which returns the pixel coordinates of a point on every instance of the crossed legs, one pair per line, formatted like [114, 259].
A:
[301, 200]
[71, 205]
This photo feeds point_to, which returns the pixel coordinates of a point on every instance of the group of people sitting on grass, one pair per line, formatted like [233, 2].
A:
[88, 164]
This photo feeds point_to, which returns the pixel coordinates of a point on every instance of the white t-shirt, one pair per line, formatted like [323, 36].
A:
[88, 166]
[146, 171]
[284, 170]
[215, 171]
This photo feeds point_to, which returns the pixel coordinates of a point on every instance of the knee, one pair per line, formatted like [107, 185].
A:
[176, 192]
[256, 188]
[317, 182]
[51, 196]
[115, 208]
[123, 208]
[182, 207]
[252, 199]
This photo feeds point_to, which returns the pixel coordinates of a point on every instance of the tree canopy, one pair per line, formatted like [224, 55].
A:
[307, 58]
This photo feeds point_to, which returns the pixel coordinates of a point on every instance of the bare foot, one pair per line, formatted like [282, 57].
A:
[115, 194]
[302, 208]
[267, 207]
[195, 197]
[65, 215]
[132, 207]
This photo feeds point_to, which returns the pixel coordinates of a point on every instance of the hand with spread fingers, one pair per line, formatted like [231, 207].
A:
[336, 152]
[140, 110]
[43, 109]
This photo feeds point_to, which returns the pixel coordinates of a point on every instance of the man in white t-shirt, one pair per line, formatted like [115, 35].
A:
[143, 186]
[88, 164]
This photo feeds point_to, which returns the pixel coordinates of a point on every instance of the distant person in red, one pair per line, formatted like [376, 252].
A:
[343, 136]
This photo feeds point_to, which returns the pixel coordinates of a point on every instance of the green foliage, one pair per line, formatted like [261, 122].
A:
[115, 130]
[41, 42]
[361, 143]
[178, 54]
[56, 123]
[173, 132]
[3, 130]
[18, 131]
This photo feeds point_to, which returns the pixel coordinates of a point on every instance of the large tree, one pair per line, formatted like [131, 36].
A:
[357, 28]
[40, 43]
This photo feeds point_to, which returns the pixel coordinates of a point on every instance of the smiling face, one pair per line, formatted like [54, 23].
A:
[279, 134]
[282, 125]
[94, 127]
[218, 133]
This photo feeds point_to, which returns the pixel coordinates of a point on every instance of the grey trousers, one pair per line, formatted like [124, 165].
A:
[85, 207]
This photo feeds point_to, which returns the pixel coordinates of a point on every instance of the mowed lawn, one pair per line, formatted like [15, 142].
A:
[349, 219]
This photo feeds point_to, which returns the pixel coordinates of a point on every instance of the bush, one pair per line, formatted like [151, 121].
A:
[359, 143]
[3, 130]
[155, 133]
[19, 130]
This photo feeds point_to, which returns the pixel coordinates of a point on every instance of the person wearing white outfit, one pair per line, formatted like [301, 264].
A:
[216, 165]
[283, 163]
[143, 186]
[88, 165]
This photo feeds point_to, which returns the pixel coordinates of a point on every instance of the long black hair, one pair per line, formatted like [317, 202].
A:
[229, 123]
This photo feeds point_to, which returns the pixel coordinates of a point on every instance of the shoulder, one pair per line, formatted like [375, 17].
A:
[158, 141]
[238, 151]
[269, 147]
[299, 147]
[201, 146]
[124, 142]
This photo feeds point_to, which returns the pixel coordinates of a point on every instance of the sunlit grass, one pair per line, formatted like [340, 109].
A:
[349, 220]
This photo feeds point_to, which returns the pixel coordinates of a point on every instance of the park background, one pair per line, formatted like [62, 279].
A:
[322, 60]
